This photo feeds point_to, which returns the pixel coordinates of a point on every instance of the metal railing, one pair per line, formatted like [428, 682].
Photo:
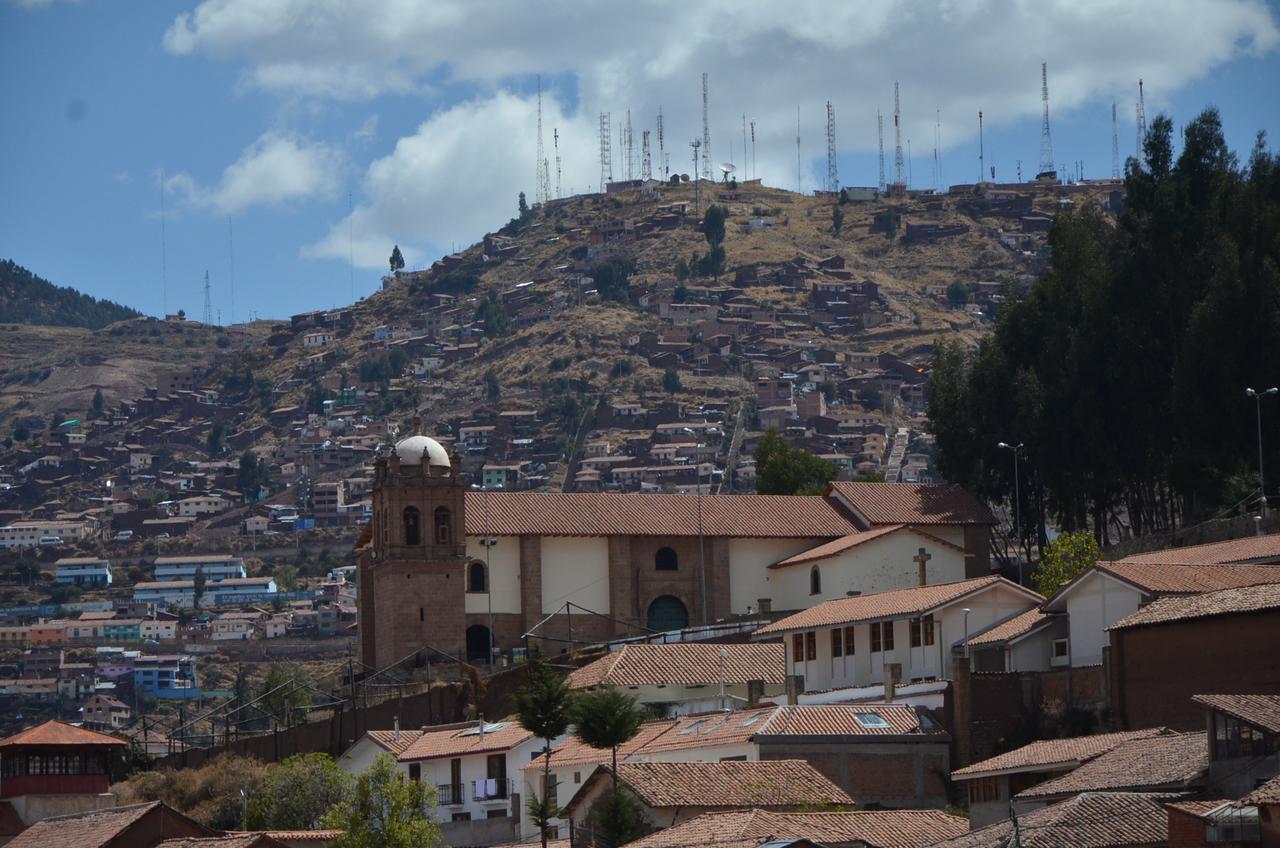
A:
[451, 794]
[492, 789]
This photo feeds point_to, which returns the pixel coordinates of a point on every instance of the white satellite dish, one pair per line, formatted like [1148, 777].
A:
[726, 168]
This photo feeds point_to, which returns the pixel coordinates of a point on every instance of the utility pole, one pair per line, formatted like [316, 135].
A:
[1017, 500]
[1262, 477]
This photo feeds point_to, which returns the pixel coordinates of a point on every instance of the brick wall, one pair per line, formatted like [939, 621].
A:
[1155, 670]
[1075, 686]
[888, 774]
[1185, 830]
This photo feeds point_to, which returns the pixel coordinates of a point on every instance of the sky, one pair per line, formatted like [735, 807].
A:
[284, 146]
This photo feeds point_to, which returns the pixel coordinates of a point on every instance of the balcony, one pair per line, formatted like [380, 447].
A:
[451, 794]
[493, 789]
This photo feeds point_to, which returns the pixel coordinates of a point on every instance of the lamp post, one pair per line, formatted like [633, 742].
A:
[488, 542]
[1017, 499]
[966, 612]
[1262, 479]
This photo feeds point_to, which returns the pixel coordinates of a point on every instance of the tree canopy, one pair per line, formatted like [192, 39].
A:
[785, 470]
[1123, 368]
[297, 792]
[385, 809]
[1065, 559]
[26, 298]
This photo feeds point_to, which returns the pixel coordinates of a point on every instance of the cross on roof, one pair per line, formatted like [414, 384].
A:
[921, 559]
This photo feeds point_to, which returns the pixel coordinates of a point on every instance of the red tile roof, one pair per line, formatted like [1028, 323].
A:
[912, 503]
[730, 783]
[1011, 628]
[876, 828]
[1247, 599]
[1267, 793]
[96, 829]
[900, 603]
[1089, 820]
[1145, 764]
[59, 733]
[684, 663]
[1249, 549]
[460, 741]
[1259, 710]
[708, 730]
[616, 514]
[834, 548]
[573, 751]
[1050, 753]
[387, 741]
[232, 840]
[843, 720]
[1167, 578]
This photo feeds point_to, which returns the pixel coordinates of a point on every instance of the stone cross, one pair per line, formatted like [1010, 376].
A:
[920, 559]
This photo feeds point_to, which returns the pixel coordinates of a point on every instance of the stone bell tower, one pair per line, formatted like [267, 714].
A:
[413, 565]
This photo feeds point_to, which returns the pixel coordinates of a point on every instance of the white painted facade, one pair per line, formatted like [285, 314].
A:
[1093, 603]
[749, 575]
[577, 570]
[504, 575]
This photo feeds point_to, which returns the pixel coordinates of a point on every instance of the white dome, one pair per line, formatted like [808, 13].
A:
[413, 449]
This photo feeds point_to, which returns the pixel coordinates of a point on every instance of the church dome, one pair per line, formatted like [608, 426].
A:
[413, 449]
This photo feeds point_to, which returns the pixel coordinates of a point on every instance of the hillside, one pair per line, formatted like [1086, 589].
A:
[28, 299]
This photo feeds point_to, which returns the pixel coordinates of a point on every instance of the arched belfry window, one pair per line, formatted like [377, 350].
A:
[412, 526]
[477, 579]
[444, 528]
[815, 581]
[665, 559]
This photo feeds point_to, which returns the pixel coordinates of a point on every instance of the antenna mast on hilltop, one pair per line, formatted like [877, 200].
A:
[937, 149]
[543, 178]
[833, 178]
[706, 132]
[880, 130]
[982, 151]
[744, 144]
[606, 154]
[164, 254]
[897, 138]
[628, 141]
[1142, 120]
[208, 301]
[753, 150]
[662, 148]
[1115, 144]
[1046, 141]
[646, 164]
[799, 189]
[555, 140]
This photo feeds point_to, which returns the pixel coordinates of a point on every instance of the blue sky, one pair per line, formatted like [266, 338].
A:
[293, 134]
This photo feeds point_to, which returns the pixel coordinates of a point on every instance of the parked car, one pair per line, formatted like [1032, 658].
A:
[50, 541]
[123, 535]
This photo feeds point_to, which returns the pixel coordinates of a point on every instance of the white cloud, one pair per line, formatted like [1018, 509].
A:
[457, 174]
[277, 169]
[368, 130]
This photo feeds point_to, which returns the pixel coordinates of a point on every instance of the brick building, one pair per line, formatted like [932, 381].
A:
[440, 566]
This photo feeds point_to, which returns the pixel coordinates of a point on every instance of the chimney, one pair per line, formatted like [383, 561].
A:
[892, 674]
[755, 691]
[766, 605]
[795, 685]
[481, 727]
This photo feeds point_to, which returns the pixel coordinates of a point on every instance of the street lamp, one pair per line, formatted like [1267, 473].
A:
[1017, 499]
[1262, 479]
[488, 542]
[966, 612]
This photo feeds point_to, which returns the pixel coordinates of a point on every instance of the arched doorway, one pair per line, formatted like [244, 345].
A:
[478, 643]
[667, 612]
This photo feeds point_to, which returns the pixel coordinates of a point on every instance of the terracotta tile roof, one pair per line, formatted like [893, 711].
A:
[732, 783]
[386, 740]
[234, 840]
[1152, 763]
[1259, 710]
[1090, 820]
[1169, 578]
[836, 547]
[290, 836]
[1267, 793]
[1249, 549]
[616, 514]
[1246, 599]
[574, 752]
[1048, 753]
[913, 503]
[900, 603]
[843, 720]
[59, 733]
[683, 663]
[1015, 627]
[876, 828]
[711, 729]
[460, 741]
[1198, 807]
[94, 829]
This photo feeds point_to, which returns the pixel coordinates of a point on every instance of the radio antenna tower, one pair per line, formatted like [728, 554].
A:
[753, 150]
[606, 153]
[937, 147]
[799, 189]
[231, 267]
[1115, 144]
[662, 148]
[1046, 141]
[697, 183]
[1142, 120]
[880, 130]
[646, 164]
[744, 144]
[706, 132]
[555, 140]
[631, 150]
[208, 302]
[982, 151]
[833, 178]
[543, 180]
[164, 254]
[897, 138]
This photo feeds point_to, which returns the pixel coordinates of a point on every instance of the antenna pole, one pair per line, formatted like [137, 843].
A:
[662, 147]
[231, 268]
[164, 254]
[697, 180]
[897, 138]
[208, 302]
[753, 150]
[1046, 140]
[1115, 144]
[833, 178]
[880, 130]
[799, 187]
[982, 151]
[744, 142]
[646, 164]
[542, 178]
[706, 132]
[1142, 120]
[606, 155]
[555, 140]
[630, 148]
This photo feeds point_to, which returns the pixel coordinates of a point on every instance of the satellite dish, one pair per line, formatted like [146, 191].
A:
[726, 168]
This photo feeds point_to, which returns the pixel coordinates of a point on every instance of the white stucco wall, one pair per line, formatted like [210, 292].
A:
[1096, 602]
[880, 565]
[504, 575]
[749, 575]
[577, 570]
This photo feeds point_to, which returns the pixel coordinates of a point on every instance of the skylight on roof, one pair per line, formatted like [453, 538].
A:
[693, 727]
[752, 720]
[871, 721]
[488, 728]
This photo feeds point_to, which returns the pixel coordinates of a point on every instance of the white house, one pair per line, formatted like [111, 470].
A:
[850, 641]
[202, 505]
[215, 567]
[181, 593]
[83, 571]
[320, 338]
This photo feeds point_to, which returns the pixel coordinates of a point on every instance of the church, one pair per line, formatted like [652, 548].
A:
[449, 571]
